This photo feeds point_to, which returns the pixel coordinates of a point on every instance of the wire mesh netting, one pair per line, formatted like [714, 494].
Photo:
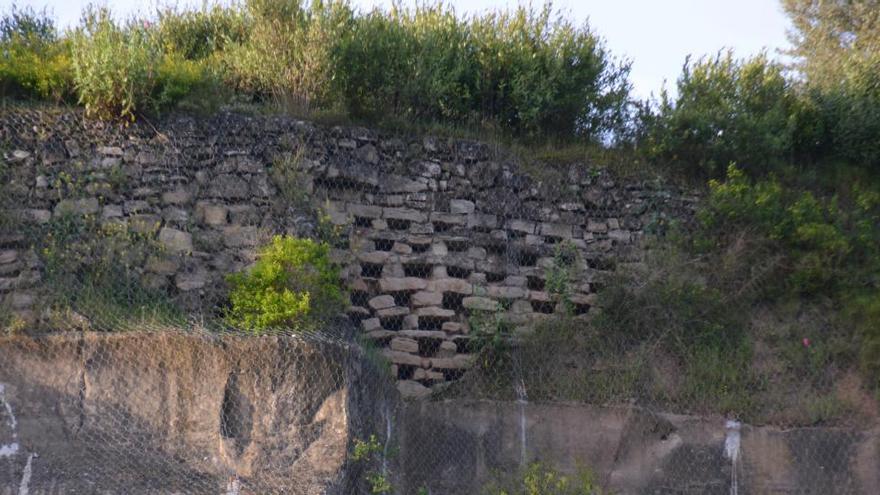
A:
[460, 322]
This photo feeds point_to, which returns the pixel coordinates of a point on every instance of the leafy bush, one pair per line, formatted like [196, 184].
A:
[185, 83]
[293, 284]
[33, 63]
[199, 34]
[726, 111]
[288, 52]
[114, 67]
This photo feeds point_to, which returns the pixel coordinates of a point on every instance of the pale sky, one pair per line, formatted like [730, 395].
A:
[656, 35]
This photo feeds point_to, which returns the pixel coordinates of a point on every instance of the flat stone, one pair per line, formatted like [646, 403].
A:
[597, 227]
[85, 206]
[451, 327]
[406, 358]
[461, 206]
[506, 292]
[368, 154]
[371, 324]
[176, 241]
[110, 151]
[176, 197]
[435, 312]
[38, 216]
[404, 344]
[238, 236]
[482, 221]
[556, 230]
[112, 211]
[623, 236]
[214, 214]
[398, 184]
[428, 375]
[162, 265]
[423, 334]
[449, 218]
[228, 186]
[375, 257]
[425, 298]
[402, 284]
[21, 300]
[381, 302]
[188, 281]
[393, 311]
[457, 362]
[480, 303]
[365, 211]
[410, 389]
[8, 256]
[144, 223]
[404, 214]
[456, 285]
[447, 349]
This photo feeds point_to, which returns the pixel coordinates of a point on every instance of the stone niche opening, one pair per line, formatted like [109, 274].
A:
[363, 222]
[545, 307]
[457, 272]
[442, 226]
[431, 322]
[527, 258]
[453, 301]
[371, 270]
[236, 416]
[394, 323]
[429, 347]
[495, 277]
[535, 283]
[383, 244]
[402, 298]
[405, 371]
[457, 245]
[359, 298]
[418, 270]
[420, 247]
[603, 264]
[398, 223]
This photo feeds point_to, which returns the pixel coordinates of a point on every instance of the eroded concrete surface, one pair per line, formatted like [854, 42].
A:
[458, 446]
[170, 413]
[173, 413]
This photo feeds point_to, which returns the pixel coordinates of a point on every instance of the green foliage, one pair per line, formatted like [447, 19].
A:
[114, 67]
[541, 479]
[200, 34]
[368, 452]
[726, 111]
[293, 284]
[33, 62]
[821, 241]
[288, 52]
[563, 273]
[189, 84]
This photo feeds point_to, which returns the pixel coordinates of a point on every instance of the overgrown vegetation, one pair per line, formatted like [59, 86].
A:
[102, 260]
[292, 285]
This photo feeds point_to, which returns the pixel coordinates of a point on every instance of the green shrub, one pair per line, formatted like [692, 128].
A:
[726, 111]
[114, 67]
[185, 83]
[288, 52]
[293, 284]
[33, 62]
[199, 34]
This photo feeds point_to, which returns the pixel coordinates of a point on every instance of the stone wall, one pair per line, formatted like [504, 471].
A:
[430, 229]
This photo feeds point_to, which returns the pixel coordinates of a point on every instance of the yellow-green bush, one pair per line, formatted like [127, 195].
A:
[292, 285]
[542, 479]
[33, 62]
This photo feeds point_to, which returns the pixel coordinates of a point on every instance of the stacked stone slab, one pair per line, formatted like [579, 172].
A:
[431, 231]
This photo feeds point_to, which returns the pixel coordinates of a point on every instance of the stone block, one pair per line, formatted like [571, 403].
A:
[236, 236]
[176, 241]
[381, 302]
[556, 230]
[404, 214]
[371, 324]
[480, 303]
[84, 206]
[597, 227]
[461, 206]
[457, 362]
[524, 226]
[502, 292]
[392, 311]
[365, 211]
[452, 327]
[404, 344]
[455, 285]
[426, 298]
[482, 221]
[435, 312]
[398, 184]
[405, 358]
[8, 256]
[410, 389]
[402, 284]
[214, 214]
[187, 281]
[178, 196]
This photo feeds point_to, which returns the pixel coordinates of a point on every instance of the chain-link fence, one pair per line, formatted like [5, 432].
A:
[489, 326]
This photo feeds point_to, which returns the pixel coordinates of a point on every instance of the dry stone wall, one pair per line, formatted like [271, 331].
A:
[428, 230]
